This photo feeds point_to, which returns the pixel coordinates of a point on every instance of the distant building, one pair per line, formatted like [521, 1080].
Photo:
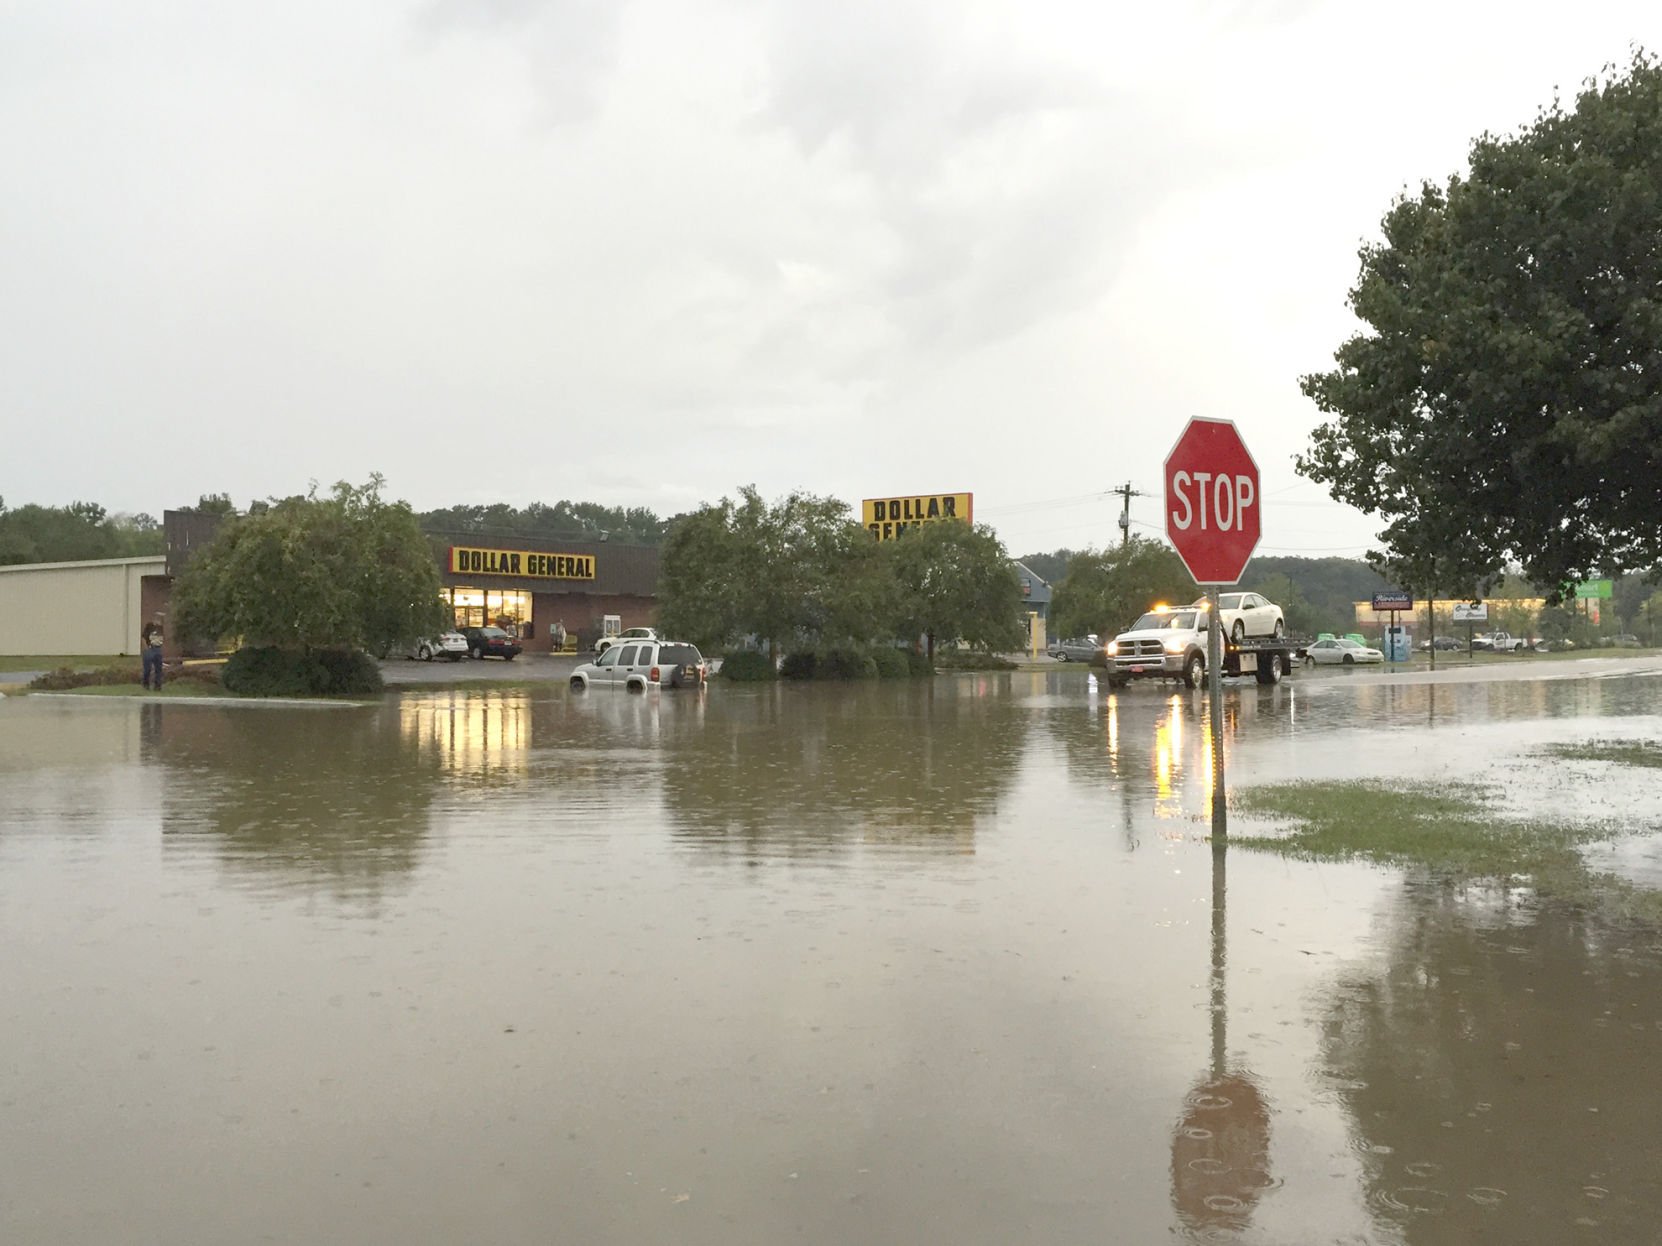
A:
[1035, 593]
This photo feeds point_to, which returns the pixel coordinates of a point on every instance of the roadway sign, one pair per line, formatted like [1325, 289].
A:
[1471, 612]
[1212, 501]
[1393, 599]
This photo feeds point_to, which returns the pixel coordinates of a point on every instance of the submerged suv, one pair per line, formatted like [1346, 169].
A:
[636, 665]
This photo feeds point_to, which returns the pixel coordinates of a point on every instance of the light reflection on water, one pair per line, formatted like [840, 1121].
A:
[934, 961]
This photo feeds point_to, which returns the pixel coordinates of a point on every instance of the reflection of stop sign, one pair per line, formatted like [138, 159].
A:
[1212, 501]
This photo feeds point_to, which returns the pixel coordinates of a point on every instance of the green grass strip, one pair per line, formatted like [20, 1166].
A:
[1450, 829]
[1646, 753]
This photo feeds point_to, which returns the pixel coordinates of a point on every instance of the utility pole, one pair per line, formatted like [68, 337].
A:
[1126, 493]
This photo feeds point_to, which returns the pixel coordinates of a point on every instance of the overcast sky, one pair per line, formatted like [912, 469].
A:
[640, 253]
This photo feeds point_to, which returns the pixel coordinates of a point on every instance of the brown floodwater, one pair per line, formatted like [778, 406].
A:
[940, 962]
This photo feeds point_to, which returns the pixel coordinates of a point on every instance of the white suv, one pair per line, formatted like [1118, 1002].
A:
[637, 665]
[634, 633]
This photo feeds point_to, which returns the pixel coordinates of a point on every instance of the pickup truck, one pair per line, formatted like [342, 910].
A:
[1500, 642]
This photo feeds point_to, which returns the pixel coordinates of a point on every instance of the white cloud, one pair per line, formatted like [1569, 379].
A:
[860, 248]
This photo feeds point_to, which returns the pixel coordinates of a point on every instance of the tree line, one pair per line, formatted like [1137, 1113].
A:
[802, 573]
[74, 533]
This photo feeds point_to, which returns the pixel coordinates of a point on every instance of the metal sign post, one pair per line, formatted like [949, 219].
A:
[1214, 687]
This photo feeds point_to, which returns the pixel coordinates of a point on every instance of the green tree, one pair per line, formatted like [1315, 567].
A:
[1505, 398]
[794, 572]
[346, 570]
[1105, 590]
[953, 581]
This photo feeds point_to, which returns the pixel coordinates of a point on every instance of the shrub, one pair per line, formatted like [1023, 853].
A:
[65, 678]
[970, 660]
[842, 663]
[890, 664]
[748, 665]
[919, 664]
[273, 672]
[801, 665]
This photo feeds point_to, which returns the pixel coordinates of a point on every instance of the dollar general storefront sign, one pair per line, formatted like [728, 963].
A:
[888, 518]
[531, 564]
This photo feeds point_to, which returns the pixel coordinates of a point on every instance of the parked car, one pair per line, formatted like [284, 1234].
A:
[1342, 651]
[1624, 641]
[452, 646]
[634, 633]
[636, 665]
[1078, 649]
[1442, 643]
[491, 642]
[1248, 614]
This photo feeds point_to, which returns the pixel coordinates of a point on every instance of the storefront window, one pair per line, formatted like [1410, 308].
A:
[490, 607]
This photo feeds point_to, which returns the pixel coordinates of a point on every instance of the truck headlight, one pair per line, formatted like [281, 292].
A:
[1175, 646]
[1113, 647]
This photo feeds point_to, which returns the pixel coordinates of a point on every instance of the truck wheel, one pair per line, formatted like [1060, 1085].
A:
[577, 684]
[1271, 673]
[1194, 670]
[1119, 681]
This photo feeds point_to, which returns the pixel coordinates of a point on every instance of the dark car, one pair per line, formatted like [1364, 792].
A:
[491, 642]
[1443, 643]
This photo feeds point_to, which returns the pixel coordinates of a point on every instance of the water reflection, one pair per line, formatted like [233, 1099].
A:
[315, 800]
[816, 771]
[1496, 1064]
[1220, 1148]
[483, 736]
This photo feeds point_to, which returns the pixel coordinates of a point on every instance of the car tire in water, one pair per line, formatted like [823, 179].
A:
[1349, 661]
[1061, 657]
[577, 684]
[1194, 670]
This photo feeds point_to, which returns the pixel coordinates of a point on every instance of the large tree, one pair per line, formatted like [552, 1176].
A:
[339, 571]
[1505, 398]
[1104, 591]
[953, 581]
[797, 571]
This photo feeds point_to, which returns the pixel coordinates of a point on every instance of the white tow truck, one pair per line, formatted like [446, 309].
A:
[1170, 643]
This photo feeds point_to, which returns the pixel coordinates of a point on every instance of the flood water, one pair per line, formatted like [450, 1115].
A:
[938, 962]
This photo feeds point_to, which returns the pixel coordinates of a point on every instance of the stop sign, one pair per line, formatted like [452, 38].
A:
[1212, 501]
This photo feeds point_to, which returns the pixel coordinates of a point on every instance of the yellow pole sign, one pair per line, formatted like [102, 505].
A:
[889, 518]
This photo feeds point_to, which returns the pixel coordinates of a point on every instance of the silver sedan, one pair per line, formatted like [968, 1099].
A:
[1341, 652]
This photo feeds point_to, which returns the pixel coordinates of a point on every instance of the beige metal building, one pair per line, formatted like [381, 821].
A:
[94, 607]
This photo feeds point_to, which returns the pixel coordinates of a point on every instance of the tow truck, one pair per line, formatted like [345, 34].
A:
[1170, 643]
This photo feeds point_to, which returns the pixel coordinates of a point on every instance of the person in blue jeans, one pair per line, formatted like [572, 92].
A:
[151, 646]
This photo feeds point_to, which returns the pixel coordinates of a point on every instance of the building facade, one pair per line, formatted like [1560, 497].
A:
[95, 607]
[528, 584]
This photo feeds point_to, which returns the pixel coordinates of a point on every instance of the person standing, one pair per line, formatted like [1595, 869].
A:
[151, 646]
[559, 636]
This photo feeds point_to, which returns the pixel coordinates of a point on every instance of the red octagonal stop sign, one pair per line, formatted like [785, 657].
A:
[1212, 501]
